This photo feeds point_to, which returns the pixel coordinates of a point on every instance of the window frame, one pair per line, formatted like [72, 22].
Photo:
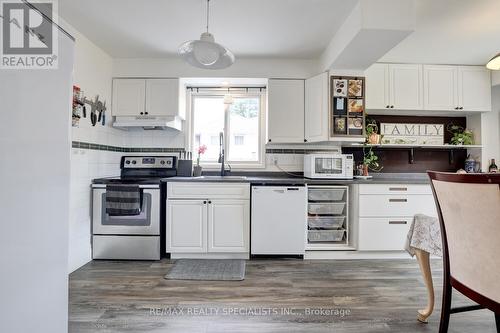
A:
[235, 93]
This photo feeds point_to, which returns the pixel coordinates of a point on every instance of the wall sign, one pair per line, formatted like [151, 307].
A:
[412, 134]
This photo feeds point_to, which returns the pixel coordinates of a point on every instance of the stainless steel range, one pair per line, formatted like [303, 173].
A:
[136, 236]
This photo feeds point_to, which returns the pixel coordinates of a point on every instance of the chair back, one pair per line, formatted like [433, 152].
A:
[469, 212]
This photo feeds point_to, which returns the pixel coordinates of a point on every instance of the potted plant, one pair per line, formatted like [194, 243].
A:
[197, 167]
[371, 132]
[370, 161]
[461, 136]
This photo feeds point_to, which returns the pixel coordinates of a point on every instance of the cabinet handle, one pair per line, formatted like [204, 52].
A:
[305, 140]
[461, 108]
[456, 108]
[145, 113]
[387, 107]
[269, 140]
[398, 222]
[204, 202]
[398, 200]
[392, 106]
[210, 202]
[398, 189]
[142, 113]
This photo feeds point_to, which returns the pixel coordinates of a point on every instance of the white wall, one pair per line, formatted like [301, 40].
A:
[253, 68]
[34, 196]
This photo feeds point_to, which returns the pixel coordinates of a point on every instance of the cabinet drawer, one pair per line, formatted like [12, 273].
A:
[395, 189]
[191, 190]
[383, 234]
[396, 205]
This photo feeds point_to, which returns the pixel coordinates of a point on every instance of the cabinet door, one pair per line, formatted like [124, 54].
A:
[405, 87]
[286, 111]
[162, 97]
[377, 87]
[186, 230]
[440, 87]
[474, 88]
[128, 97]
[316, 108]
[228, 226]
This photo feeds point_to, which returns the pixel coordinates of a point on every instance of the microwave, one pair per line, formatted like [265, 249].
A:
[328, 166]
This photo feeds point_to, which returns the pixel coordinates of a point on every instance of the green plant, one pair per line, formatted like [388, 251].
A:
[371, 127]
[461, 136]
[370, 159]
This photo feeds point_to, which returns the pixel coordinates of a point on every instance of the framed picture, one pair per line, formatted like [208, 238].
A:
[356, 106]
[340, 88]
[355, 125]
[340, 125]
[355, 88]
[340, 106]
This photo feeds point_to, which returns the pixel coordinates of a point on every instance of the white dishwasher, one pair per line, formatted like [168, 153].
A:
[279, 220]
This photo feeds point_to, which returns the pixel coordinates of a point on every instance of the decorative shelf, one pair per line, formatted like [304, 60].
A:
[389, 146]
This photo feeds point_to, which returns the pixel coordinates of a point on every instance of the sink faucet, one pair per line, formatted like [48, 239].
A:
[221, 154]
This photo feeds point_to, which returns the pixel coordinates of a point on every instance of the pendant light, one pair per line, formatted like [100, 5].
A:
[205, 52]
[494, 63]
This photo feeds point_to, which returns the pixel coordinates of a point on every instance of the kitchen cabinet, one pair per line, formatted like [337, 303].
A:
[207, 218]
[386, 212]
[440, 87]
[228, 225]
[377, 86]
[129, 97]
[285, 111]
[474, 88]
[162, 97]
[394, 86]
[146, 97]
[316, 108]
[186, 226]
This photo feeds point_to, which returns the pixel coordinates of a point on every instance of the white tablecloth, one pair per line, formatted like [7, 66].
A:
[424, 234]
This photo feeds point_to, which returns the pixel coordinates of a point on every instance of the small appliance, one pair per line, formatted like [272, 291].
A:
[328, 166]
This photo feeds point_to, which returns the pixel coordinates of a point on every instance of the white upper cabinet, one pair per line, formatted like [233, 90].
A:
[440, 87]
[145, 97]
[128, 97]
[394, 86]
[285, 111]
[474, 88]
[316, 108]
[162, 97]
[405, 87]
[377, 87]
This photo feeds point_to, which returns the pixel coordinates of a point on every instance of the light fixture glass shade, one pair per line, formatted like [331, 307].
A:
[206, 53]
[494, 63]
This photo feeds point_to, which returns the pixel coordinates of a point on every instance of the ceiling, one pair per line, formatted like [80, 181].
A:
[447, 31]
[451, 32]
[250, 28]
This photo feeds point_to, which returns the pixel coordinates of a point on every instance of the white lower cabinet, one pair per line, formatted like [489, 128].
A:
[228, 225]
[186, 226]
[386, 213]
[206, 225]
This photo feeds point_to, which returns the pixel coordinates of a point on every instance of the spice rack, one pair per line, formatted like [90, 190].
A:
[328, 217]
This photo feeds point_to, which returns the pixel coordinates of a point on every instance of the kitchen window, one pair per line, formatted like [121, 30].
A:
[240, 117]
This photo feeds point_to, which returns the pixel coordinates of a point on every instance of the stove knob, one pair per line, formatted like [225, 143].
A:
[169, 162]
[134, 162]
[127, 162]
[162, 162]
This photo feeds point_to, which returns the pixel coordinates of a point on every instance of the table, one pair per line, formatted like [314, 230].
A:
[424, 239]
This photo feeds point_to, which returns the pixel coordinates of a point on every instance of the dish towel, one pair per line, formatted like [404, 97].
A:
[123, 200]
[424, 234]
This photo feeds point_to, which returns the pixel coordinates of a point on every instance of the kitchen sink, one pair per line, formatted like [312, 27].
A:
[224, 177]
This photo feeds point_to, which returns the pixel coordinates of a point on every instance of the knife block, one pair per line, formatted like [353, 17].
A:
[185, 168]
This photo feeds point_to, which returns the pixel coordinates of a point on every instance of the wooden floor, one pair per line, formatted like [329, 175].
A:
[276, 296]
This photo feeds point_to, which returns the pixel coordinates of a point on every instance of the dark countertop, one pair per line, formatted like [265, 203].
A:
[280, 179]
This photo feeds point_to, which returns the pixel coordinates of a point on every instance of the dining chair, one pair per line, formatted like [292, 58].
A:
[468, 208]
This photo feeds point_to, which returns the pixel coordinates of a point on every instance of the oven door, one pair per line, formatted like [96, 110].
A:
[146, 223]
[329, 166]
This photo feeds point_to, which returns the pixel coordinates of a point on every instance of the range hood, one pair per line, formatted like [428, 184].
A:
[148, 122]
